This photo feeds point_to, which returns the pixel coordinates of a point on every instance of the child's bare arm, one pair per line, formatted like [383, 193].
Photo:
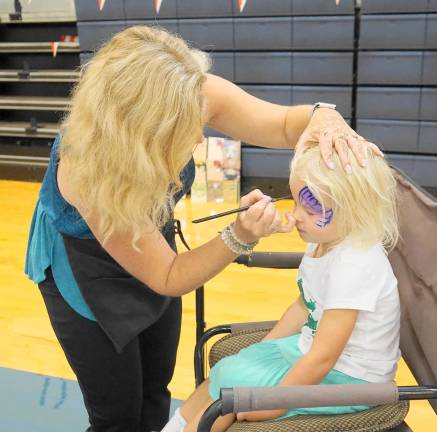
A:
[291, 322]
[332, 334]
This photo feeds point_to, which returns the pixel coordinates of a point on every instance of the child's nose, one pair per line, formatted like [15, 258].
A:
[297, 213]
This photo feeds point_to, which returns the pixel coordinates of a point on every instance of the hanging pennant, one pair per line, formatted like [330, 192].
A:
[241, 4]
[101, 3]
[54, 48]
[157, 6]
[69, 38]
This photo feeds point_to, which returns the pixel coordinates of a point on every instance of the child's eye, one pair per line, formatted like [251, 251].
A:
[309, 211]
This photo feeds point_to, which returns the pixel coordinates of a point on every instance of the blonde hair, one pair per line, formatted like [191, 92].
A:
[365, 203]
[135, 117]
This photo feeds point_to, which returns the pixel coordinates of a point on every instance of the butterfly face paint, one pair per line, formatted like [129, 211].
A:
[307, 199]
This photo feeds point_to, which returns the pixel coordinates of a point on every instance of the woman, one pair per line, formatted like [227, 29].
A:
[102, 246]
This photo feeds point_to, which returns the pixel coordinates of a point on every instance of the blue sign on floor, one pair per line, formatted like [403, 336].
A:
[40, 403]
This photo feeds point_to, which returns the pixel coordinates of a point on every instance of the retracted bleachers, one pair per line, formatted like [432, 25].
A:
[397, 83]
[39, 59]
[271, 49]
[376, 59]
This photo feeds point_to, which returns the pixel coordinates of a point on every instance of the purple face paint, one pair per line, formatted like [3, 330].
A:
[307, 199]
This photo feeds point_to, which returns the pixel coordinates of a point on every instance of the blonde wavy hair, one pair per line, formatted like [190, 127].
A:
[365, 203]
[135, 116]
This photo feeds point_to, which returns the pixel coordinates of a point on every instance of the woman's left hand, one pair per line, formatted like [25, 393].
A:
[260, 415]
[328, 129]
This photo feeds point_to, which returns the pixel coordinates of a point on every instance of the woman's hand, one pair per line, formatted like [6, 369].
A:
[260, 415]
[261, 219]
[328, 129]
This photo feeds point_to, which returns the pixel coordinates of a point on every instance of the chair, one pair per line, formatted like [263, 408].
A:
[413, 262]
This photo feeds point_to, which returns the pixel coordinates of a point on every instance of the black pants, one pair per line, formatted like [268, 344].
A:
[124, 392]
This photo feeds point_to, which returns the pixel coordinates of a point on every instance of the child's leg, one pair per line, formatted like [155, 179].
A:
[221, 425]
[196, 402]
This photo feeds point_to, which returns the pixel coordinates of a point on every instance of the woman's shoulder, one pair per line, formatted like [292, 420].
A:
[64, 186]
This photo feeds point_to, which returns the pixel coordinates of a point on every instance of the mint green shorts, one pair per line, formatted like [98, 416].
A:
[265, 364]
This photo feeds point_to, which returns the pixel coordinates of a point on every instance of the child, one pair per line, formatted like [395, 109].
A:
[344, 326]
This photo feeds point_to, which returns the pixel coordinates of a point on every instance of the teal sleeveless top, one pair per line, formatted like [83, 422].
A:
[54, 217]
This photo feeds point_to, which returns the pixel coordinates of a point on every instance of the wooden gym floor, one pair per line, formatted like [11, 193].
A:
[28, 344]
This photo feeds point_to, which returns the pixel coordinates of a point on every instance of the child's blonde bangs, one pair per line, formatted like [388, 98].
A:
[364, 203]
[135, 118]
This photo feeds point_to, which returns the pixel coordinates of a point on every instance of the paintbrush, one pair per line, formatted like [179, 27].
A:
[237, 210]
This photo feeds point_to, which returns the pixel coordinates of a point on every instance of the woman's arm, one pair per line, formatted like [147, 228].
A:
[154, 262]
[333, 332]
[242, 116]
[291, 322]
[236, 113]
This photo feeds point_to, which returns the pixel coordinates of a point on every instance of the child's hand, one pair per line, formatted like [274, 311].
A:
[260, 415]
[291, 222]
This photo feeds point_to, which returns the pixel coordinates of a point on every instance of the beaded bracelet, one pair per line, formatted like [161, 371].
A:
[235, 244]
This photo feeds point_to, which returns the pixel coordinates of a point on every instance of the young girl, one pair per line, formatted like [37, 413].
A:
[344, 326]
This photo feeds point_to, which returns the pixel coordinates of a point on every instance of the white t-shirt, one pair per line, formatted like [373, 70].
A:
[361, 279]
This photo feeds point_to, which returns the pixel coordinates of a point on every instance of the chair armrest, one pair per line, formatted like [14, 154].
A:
[280, 260]
[247, 326]
[266, 398]
[244, 399]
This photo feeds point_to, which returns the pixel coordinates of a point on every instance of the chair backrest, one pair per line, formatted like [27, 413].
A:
[414, 262]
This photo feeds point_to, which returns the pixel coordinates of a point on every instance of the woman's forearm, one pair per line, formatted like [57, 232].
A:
[192, 269]
[240, 115]
[296, 120]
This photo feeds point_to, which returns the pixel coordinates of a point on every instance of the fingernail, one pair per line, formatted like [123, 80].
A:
[331, 165]
[348, 169]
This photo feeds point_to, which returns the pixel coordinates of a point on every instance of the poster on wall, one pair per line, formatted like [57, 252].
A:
[218, 165]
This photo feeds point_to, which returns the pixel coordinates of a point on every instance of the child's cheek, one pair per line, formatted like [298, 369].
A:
[324, 219]
[314, 222]
[317, 222]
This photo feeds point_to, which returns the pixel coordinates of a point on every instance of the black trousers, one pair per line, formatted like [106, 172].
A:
[123, 392]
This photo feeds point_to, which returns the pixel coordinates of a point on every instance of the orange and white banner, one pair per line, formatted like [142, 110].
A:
[157, 6]
[54, 48]
[242, 4]
[69, 38]
[101, 3]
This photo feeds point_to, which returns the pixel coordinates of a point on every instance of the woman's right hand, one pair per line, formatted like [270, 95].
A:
[261, 219]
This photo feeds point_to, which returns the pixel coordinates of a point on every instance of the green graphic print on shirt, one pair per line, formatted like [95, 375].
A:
[311, 306]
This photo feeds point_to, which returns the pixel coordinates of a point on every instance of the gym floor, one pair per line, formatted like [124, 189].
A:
[38, 391]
